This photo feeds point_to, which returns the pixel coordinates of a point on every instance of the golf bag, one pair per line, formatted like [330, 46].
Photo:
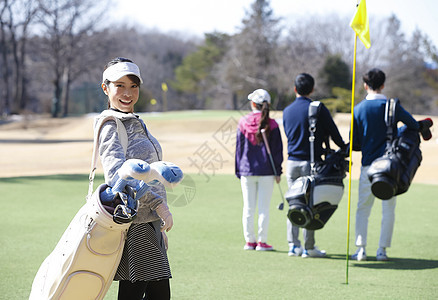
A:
[85, 260]
[392, 173]
[313, 199]
[83, 263]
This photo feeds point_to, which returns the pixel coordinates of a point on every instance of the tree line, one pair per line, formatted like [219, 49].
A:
[52, 54]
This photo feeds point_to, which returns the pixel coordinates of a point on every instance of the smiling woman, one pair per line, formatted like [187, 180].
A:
[121, 83]
[144, 268]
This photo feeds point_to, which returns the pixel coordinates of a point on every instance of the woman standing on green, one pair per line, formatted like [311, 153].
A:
[144, 270]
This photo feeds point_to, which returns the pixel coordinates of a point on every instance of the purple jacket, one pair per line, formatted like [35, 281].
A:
[252, 158]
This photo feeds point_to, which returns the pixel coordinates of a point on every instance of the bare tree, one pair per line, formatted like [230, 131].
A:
[66, 25]
[251, 58]
[16, 17]
[6, 92]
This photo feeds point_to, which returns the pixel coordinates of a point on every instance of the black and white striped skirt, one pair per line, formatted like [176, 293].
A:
[144, 256]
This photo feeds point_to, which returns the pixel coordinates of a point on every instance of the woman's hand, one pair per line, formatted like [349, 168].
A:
[165, 215]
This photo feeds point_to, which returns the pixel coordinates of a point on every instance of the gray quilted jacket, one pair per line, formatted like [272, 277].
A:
[141, 145]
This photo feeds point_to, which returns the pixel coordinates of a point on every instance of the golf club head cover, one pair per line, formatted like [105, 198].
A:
[165, 172]
[425, 125]
[133, 169]
[130, 169]
[165, 215]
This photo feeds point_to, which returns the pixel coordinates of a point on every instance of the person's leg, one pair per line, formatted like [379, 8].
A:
[309, 239]
[264, 192]
[157, 290]
[309, 245]
[249, 193]
[302, 168]
[387, 226]
[364, 205]
[131, 290]
[293, 234]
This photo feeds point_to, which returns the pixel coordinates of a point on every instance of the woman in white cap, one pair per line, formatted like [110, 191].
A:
[254, 168]
[144, 268]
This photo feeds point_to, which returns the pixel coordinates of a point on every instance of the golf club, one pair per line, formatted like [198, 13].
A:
[149, 174]
[265, 140]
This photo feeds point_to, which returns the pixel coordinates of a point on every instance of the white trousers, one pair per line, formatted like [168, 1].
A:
[256, 190]
[364, 205]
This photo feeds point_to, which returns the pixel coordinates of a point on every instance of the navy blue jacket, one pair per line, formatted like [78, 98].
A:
[369, 128]
[296, 127]
[251, 156]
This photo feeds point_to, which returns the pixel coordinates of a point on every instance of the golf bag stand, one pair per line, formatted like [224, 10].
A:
[392, 173]
[313, 199]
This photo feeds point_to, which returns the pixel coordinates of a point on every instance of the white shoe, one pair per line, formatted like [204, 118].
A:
[360, 254]
[315, 252]
[295, 251]
[381, 254]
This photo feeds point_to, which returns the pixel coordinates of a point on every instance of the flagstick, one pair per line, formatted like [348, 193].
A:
[351, 151]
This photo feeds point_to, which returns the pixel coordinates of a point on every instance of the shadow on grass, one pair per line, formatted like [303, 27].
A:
[61, 177]
[393, 264]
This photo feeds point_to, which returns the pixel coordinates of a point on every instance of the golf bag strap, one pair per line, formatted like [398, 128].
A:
[123, 137]
[314, 109]
[390, 118]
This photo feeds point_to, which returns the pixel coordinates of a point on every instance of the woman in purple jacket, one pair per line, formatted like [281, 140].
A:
[254, 169]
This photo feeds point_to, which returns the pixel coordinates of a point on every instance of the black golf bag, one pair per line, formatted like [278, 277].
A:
[313, 199]
[392, 173]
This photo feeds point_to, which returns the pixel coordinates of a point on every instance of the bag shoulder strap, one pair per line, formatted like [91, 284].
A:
[390, 118]
[123, 137]
[314, 109]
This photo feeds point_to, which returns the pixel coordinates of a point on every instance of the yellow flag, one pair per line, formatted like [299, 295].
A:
[164, 87]
[361, 25]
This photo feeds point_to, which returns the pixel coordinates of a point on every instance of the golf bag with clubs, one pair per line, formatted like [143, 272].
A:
[84, 262]
[392, 173]
[313, 199]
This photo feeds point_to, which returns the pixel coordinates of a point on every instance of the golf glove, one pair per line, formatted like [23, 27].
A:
[165, 215]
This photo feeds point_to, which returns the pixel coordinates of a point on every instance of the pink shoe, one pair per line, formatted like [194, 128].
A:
[250, 246]
[264, 247]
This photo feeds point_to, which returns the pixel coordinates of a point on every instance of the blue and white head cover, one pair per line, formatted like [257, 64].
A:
[118, 70]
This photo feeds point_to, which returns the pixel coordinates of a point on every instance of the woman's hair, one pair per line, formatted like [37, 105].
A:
[114, 61]
[264, 121]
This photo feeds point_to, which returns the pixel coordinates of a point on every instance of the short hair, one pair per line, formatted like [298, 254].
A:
[304, 84]
[374, 78]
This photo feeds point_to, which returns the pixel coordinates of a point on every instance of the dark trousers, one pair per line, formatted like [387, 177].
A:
[144, 290]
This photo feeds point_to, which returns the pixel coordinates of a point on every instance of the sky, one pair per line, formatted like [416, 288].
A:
[195, 17]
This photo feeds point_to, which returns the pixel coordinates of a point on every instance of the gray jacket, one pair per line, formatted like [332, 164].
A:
[141, 145]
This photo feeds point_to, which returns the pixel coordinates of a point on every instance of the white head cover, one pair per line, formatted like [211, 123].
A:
[121, 69]
[259, 96]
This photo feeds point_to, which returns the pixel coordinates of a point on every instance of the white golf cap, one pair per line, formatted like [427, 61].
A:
[121, 69]
[259, 96]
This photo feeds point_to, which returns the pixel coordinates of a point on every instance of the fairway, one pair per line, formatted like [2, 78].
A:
[206, 244]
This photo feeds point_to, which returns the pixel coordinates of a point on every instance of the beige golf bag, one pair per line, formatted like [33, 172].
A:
[83, 263]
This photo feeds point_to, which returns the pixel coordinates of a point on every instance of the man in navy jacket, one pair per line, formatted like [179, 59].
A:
[369, 137]
[296, 127]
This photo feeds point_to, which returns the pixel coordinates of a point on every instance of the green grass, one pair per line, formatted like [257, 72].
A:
[206, 244]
